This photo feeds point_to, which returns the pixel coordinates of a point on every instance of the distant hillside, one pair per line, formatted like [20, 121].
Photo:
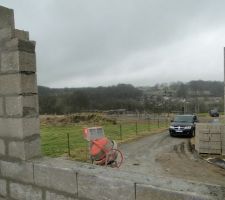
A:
[69, 100]
[198, 95]
[190, 89]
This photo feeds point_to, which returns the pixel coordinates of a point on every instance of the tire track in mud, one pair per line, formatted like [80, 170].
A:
[162, 155]
[182, 150]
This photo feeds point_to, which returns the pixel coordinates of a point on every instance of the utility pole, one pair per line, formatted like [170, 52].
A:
[224, 81]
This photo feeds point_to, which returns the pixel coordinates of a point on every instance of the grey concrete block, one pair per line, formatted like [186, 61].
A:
[20, 171]
[53, 177]
[20, 45]
[16, 61]
[25, 150]
[27, 61]
[100, 188]
[204, 137]
[54, 196]
[223, 150]
[10, 84]
[22, 106]
[14, 106]
[18, 84]
[223, 145]
[223, 138]
[28, 83]
[210, 145]
[215, 128]
[202, 131]
[1, 107]
[6, 17]
[215, 131]
[30, 106]
[6, 33]
[2, 147]
[148, 192]
[3, 190]
[17, 150]
[215, 137]
[21, 34]
[25, 192]
[9, 61]
[19, 128]
[197, 147]
[209, 151]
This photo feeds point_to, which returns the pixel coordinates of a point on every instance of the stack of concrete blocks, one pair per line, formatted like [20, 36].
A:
[25, 176]
[210, 138]
[223, 140]
[19, 132]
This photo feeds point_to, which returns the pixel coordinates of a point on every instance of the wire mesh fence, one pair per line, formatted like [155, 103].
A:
[67, 140]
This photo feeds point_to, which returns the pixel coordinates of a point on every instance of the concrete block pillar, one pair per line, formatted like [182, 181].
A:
[19, 118]
[223, 140]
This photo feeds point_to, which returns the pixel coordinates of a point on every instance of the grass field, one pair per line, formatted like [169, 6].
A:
[55, 137]
[55, 133]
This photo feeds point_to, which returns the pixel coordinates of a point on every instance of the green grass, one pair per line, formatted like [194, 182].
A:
[55, 137]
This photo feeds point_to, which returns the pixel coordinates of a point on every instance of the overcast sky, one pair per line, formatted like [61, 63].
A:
[92, 43]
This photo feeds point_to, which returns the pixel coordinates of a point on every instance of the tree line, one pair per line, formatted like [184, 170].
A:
[71, 100]
[158, 98]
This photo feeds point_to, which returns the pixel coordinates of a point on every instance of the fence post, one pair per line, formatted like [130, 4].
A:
[149, 124]
[121, 135]
[68, 143]
[158, 121]
[136, 127]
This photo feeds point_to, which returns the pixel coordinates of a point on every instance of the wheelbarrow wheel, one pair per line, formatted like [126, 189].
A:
[114, 158]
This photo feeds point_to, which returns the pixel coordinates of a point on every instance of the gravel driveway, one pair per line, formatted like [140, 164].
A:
[162, 155]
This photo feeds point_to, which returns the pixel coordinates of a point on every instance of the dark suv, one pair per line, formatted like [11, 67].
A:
[183, 125]
[214, 113]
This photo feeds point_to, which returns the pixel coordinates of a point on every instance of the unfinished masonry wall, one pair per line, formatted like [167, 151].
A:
[210, 138]
[25, 175]
[19, 132]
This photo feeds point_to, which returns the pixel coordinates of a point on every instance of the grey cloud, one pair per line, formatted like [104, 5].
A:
[95, 39]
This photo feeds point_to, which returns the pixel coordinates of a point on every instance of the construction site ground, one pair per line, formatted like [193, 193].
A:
[165, 156]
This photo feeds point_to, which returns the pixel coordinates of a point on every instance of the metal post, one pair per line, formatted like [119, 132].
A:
[224, 81]
[68, 143]
[87, 149]
[136, 127]
[121, 135]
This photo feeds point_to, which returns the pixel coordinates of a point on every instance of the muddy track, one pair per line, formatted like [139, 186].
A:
[162, 155]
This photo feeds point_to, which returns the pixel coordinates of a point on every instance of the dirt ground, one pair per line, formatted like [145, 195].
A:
[165, 156]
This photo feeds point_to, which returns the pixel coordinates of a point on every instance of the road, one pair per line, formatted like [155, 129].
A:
[165, 156]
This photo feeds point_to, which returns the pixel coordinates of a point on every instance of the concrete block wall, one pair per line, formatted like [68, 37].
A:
[223, 144]
[210, 138]
[25, 175]
[56, 179]
[19, 122]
